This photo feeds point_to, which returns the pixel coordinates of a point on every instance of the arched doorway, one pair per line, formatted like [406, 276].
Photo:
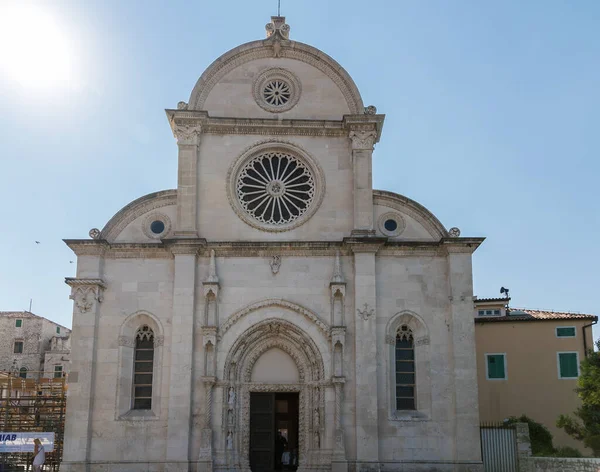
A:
[273, 361]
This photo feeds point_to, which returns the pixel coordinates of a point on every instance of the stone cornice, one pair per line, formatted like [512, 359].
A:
[87, 247]
[83, 282]
[461, 245]
[366, 244]
[199, 246]
[255, 126]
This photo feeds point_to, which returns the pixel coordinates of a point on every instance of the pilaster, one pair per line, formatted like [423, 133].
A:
[463, 362]
[364, 131]
[365, 336]
[188, 134]
[87, 296]
[182, 349]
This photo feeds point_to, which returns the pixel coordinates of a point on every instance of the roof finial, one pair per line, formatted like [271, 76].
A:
[278, 7]
[278, 27]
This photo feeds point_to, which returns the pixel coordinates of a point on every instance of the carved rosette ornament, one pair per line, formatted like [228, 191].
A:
[454, 232]
[370, 110]
[363, 139]
[187, 132]
[85, 293]
[278, 27]
[94, 233]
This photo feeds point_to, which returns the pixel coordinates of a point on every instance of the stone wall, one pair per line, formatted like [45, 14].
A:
[558, 464]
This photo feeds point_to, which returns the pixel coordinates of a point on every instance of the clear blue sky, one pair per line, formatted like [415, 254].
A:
[492, 123]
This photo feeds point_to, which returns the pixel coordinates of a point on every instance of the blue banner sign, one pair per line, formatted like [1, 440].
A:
[23, 442]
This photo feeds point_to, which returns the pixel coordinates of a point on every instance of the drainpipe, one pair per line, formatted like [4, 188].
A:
[585, 349]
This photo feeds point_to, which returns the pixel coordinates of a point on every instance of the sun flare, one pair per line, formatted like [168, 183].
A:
[34, 50]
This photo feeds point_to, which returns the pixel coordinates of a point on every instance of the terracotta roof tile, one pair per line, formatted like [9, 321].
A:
[537, 315]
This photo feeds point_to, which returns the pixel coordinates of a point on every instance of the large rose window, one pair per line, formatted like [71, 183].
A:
[275, 188]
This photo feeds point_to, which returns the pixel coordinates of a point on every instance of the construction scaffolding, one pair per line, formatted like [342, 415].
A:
[30, 405]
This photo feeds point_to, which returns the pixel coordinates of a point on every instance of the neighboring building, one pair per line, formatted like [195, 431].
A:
[528, 363]
[28, 343]
[273, 291]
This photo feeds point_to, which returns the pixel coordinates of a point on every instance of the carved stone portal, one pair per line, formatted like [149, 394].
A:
[249, 347]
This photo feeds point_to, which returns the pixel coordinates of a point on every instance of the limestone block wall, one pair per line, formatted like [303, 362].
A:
[133, 287]
[415, 291]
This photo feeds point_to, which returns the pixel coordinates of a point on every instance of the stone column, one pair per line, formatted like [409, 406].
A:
[362, 159]
[205, 463]
[463, 362]
[188, 141]
[182, 350]
[86, 292]
[365, 336]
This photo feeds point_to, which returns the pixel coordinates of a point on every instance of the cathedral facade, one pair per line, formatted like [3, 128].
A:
[274, 312]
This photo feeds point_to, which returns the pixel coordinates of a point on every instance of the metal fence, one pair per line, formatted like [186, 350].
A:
[29, 405]
[499, 447]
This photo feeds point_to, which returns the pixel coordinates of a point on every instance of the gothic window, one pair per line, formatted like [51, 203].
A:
[405, 369]
[143, 368]
[23, 372]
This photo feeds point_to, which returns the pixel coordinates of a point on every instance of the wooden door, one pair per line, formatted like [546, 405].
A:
[262, 432]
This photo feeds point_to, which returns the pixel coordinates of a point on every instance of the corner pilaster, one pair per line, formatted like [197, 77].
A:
[182, 349]
[86, 294]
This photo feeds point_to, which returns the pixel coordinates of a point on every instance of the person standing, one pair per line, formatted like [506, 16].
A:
[39, 455]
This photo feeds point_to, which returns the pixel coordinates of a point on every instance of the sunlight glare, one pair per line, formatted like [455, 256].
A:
[34, 51]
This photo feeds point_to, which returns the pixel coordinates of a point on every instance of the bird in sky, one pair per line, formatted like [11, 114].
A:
[37, 242]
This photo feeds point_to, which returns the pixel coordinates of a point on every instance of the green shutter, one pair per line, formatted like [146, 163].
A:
[565, 332]
[568, 364]
[19, 323]
[495, 363]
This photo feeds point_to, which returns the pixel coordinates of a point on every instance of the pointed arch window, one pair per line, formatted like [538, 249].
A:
[23, 372]
[405, 369]
[143, 368]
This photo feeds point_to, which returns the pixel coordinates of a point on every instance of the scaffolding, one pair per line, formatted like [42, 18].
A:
[30, 405]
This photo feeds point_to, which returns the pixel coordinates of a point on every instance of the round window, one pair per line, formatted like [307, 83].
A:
[391, 224]
[276, 90]
[275, 188]
[157, 227]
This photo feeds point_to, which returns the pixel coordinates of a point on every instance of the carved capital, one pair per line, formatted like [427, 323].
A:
[363, 140]
[159, 341]
[390, 340]
[209, 335]
[126, 341]
[187, 133]
[211, 288]
[86, 293]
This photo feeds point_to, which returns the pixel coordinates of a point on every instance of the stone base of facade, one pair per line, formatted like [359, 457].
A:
[336, 466]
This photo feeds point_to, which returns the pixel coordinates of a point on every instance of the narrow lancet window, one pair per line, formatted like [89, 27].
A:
[405, 369]
[143, 369]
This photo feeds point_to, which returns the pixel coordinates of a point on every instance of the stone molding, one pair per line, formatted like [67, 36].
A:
[366, 244]
[461, 245]
[135, 209]
[272, 145]
[277, 73]
[411, 208]
[269, 302]
[266, 49]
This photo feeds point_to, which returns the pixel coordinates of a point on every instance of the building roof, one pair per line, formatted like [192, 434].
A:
[28, 314]
[493, 300]
[537, 315]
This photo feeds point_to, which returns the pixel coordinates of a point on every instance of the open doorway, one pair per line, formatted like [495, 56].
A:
[273, 432]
